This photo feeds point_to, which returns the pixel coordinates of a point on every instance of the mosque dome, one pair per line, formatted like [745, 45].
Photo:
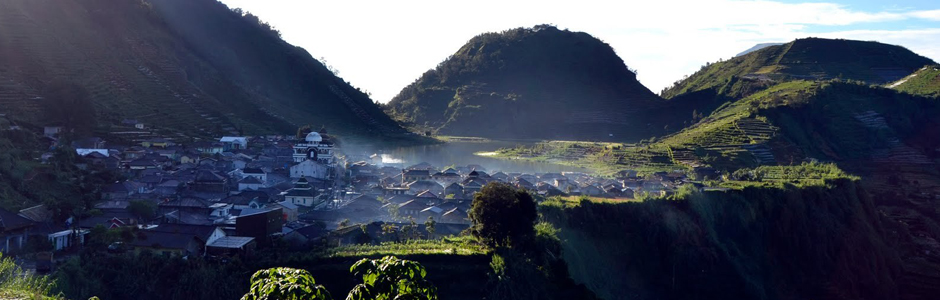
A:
[313, 136]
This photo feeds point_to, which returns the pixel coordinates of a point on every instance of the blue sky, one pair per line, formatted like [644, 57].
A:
[382, 46]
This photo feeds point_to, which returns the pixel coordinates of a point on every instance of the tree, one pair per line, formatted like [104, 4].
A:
[142, 209]
[503, 215]
[303, 131]
[429, 226]
[344, 223]
[285, 284]
[413, 233]
[393, 211]
[70, 105]
[391, 278]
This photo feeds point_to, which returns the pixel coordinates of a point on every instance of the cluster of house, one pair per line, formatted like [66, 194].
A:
[207, 197]
[422, 191]
[229, 195]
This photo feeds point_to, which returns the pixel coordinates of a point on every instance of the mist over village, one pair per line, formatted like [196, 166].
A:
[233, 149]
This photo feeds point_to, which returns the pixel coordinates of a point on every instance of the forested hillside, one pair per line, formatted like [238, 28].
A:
[194, 68]
[539, 82]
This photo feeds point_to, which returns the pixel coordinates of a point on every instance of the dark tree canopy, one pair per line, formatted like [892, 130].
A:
[503, 215]
[303, 131]
[69, 104]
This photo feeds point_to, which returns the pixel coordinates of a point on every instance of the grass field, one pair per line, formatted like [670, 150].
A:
[446, 246]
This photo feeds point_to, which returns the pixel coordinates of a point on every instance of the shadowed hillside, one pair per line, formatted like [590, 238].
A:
[826, 242]
[538, 82]
[190, 67]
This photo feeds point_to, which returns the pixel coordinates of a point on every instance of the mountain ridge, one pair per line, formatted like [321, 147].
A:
[808, 58]
[516, 79]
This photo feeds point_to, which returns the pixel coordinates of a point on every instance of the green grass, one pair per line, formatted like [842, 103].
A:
[925, 82]
[574, 201]
[464, 245]
[602, 158]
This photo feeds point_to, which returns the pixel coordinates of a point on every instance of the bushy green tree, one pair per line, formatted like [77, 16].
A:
[391, 278]
[285, 284]
[388, 278]
[503, 215]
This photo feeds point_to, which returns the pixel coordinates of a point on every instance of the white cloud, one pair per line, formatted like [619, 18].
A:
[933, 15]
[382, 46]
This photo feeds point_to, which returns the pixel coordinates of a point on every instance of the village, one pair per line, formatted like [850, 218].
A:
[236, 194]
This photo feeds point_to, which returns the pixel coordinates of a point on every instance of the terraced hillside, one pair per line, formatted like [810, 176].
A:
[538, 82]
[925, 81]
[152, 61]
[810, 58]
[801, 120]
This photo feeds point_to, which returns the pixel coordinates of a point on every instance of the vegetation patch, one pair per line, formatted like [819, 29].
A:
[464, 245]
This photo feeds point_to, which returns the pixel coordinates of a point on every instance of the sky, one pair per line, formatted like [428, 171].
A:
[382, 46]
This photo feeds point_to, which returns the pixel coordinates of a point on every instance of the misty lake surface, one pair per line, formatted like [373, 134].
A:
[462, 153]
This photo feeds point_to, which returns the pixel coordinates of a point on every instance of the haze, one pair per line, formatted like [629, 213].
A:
[381, 46]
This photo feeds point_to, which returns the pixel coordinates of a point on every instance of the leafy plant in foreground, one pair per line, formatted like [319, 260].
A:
[285, 284]
[391, 278]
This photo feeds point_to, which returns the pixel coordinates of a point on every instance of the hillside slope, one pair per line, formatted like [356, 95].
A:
[799, 120]
[538, 82]
[925, 82]
[822, 242]
[810, 58]
[189, 67]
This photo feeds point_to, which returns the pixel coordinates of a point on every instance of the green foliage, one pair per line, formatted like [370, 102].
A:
[429, 226]
[924, 82]
[391, 278]
[285, 284]
[16, 283]
[503, 215]
[24, 182]
[463, 245]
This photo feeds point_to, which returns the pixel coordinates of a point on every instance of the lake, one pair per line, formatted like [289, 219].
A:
[461, 153]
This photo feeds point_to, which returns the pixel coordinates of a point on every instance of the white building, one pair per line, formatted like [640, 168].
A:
[314, 148]
[310, 168]
[301, 194]
[234, 142]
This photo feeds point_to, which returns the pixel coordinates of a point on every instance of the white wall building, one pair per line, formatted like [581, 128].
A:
[310, 168]
[314, 148]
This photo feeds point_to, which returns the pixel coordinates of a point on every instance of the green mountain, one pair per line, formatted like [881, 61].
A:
[810, 59]
[538, 82]
[193, 68]
[925, 81]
